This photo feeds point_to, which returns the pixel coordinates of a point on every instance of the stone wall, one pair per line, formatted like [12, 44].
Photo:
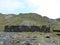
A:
[26, 29]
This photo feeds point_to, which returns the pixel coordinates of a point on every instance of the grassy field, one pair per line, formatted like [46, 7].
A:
[33, 18]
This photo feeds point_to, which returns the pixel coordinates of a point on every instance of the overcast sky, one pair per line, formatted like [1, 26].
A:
[49, 8]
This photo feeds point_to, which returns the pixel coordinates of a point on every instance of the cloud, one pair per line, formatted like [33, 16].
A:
[11, 5]
[49, 8]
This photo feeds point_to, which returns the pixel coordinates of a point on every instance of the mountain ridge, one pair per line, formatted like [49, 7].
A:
[29, 18]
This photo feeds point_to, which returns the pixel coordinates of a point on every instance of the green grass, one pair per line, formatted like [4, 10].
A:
[18, 19]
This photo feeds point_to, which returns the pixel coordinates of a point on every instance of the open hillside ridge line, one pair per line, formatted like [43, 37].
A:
[27, 19]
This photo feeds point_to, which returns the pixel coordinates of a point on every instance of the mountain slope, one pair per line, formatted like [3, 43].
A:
[26, 19]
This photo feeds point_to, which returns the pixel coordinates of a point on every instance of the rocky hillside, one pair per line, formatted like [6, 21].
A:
[26, 19]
